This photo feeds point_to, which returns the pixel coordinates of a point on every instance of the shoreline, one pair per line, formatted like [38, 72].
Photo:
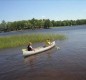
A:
[41, 28]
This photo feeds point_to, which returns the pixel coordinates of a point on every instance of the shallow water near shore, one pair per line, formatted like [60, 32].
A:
[67, 63]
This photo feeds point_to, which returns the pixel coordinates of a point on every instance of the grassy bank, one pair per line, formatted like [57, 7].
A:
[19, 40]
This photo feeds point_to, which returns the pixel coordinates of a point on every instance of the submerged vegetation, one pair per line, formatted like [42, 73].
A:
[37, 23]
[19, 40]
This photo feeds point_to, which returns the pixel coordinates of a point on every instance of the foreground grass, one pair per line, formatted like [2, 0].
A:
[19, 40]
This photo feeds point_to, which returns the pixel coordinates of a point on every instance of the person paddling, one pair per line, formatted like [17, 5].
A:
[29, 47]
[48, 42]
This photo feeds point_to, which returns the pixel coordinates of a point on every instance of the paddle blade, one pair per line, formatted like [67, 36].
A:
[57, 47]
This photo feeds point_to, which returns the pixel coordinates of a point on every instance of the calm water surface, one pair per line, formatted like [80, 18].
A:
[68, 63]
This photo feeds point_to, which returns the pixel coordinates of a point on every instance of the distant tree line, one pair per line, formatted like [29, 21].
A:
[37, 24]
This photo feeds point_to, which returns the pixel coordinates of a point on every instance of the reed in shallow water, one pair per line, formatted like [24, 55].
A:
[19, 40]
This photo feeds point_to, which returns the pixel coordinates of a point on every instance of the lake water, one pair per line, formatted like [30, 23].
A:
[68, 63]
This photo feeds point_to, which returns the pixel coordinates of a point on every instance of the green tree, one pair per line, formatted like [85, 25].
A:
[3, 26]
[27, 25]
[47, 24]
[33, 23]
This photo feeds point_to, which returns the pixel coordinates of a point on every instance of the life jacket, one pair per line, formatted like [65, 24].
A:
[47, 43]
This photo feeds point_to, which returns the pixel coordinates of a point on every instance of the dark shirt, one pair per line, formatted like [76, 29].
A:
[29, 48]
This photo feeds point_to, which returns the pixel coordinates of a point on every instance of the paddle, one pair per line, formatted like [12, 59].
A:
[57, 47]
